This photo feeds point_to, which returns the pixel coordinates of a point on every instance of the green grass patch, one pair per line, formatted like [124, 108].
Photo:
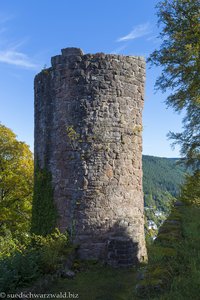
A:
[98, 282]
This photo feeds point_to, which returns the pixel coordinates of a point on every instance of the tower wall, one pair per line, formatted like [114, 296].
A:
[88, 134]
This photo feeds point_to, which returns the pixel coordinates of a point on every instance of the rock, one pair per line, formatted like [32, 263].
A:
[68, 274]
[178, 204]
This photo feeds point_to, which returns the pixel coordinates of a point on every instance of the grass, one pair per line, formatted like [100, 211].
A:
[99, 282]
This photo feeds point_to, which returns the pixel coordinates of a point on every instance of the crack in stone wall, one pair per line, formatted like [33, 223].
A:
[88, 134]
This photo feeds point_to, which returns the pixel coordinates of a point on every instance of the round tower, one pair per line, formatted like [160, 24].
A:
[88, 135]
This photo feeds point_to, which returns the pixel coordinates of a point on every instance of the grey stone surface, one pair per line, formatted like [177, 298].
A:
[88, 133]
[68, 274]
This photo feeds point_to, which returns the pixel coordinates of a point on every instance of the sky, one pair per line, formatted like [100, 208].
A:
[33, 31]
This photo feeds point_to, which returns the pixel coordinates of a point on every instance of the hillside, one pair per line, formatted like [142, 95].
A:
[161, 176]
[161, 181]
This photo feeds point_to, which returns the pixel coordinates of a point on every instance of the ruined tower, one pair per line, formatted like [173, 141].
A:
[88, 135]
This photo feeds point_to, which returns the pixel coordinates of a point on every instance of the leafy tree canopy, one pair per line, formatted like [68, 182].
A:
[16, 182]
[179, 56]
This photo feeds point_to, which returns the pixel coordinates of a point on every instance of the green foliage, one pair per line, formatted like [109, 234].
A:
[190, 191]
[161, 177]
[173, 271]
[18, 265]
[10, 244]
[25, 263]
[18, 270]
[53, 249]
[72, 134]
[44, 214]
[16, 183]
[179, 57]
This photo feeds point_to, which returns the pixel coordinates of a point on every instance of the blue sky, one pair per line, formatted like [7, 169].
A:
[33, 31]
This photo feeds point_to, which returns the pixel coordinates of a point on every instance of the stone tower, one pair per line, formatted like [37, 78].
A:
[88, 134]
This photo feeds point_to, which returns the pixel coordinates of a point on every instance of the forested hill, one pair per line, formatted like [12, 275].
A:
[161, 180]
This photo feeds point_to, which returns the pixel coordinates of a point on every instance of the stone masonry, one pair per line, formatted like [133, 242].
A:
[88, 134]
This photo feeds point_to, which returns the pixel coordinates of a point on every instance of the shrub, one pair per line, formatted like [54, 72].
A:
[20, 264]
[9, 245]
[53, 250]
[19, 270]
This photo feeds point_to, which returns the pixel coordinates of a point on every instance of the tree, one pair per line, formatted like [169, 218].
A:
[179, 56]
[190, 191]
[16, 182]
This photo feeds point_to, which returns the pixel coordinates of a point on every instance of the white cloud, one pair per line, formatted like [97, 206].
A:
[10, 52]
[137, 31]
[16, 58]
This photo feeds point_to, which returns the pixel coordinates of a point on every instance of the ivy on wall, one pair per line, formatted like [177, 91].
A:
[44, 214]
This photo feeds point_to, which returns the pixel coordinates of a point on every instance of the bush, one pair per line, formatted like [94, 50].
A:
[19, 270]
[53, 250]
[9, 245]
[20, 265]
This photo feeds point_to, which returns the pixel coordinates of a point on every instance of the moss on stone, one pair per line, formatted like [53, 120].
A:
[44, 214]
